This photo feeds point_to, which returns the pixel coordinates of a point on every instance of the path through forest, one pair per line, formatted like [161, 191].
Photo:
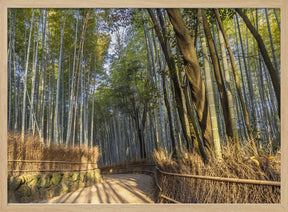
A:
[116, 188]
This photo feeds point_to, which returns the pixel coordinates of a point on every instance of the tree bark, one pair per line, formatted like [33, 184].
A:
[193, 73]
[173, 73]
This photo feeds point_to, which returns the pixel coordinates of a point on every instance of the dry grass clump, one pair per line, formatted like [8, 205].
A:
[234, 165]
[33, 149]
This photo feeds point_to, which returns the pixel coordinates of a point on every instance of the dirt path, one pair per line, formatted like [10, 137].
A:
[117, 188]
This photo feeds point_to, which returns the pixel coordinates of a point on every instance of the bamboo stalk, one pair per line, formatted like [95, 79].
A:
[44, 161]
[233, 180]
[169, 199]
[49, 170]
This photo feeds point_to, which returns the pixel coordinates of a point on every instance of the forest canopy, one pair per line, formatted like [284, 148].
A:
[132, 81]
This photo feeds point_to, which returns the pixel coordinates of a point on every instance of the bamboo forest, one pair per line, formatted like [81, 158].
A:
[186, 102]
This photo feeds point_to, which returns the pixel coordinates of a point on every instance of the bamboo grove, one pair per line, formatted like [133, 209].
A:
[134, 80]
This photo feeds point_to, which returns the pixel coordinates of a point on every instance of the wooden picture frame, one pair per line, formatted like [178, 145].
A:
[5, 4]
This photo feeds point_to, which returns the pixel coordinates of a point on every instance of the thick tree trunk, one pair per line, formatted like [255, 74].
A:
[173, 73]
[193, 74]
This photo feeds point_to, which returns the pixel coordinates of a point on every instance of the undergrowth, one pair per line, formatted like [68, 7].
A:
[33, 149]
[235, 164]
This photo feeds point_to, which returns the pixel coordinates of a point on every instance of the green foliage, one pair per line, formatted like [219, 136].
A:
[56, 178]
[225, 14]
[116, 76]
[127, 87]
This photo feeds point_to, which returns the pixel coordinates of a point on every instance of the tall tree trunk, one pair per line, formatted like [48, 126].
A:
[16, 78]
[261, 87]
[70, 113]
[228, 88]
[93, 95]
[210, 92]
[251, 90]
[221, 122]
[240, 64]
[10, 74]
[169, 113]
[276, 16]
[81, 105]
[189, 120]
[248, 94]
[153, 79]
[173, 73]
[62, 124]
[79, 67]
[160, 58]
[56, 118]
[25, 79]
[238, 88]
[249, 78]
[218, 77]
[86, 106]
[160, 86]
[163, 88]
[140, 137]
[34, 70]
[44, 73]
[193, 74]
[50, 100]
[139, 124]
[271, 42]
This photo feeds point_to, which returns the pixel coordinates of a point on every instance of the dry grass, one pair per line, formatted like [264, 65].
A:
[33, 149]
[234, 165]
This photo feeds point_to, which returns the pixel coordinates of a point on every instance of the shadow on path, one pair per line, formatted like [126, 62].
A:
[117, 188]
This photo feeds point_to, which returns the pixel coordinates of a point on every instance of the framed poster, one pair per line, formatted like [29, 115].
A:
[53, 73]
